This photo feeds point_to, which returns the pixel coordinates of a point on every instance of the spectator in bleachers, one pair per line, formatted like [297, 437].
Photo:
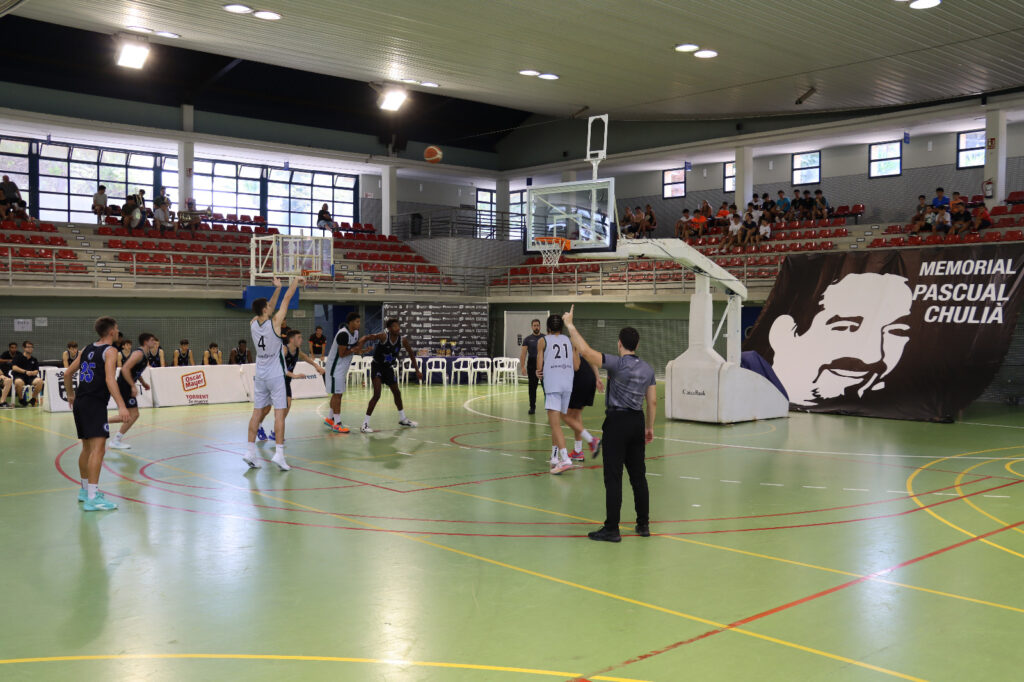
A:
[943, 221]
[162, 199]
[639, 222]
[26, 374]
[957, 201]
[650, 220]
[921, 212]
[753, 211]
[324, 220]
[940, 198]
[162, 217]
[698, 223]
[10, 189]
[183, 356]
[961, 220]
[764, 230]
[240, 354]
[213, 355]
[797, 206]
[821, 207]
[750, 223]
[756, 202]
[6, 208]
[734, 234]
[99, 204]
[982, 219]
[7, 358]
[808, 205]
[68, 356]
[140, 199]
[722, 215]
[628, 222]
[782, 206]
[194, 221]
[6, 383]
[768, 206]
[705, 209]
[683, 225]
[131, 215]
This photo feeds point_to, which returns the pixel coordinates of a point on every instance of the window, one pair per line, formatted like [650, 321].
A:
[14, 162]
[807, 168]
[729, 177]
[885, 159]
[485, 208]
[673, 183]
[295, 197]
[970, 149]
[517, 214]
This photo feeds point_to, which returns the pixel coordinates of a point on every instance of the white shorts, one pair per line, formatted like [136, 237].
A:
[337, 381]
[270, 391]
[557, 401]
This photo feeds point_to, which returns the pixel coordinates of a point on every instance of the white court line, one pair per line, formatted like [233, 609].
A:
[777, 485]
[946, 494]
[814, 487]
[898, 492]
[650, 474]
[692, 478]
[998, 426]
[1006, 496]
[856, 490]
[722, 480]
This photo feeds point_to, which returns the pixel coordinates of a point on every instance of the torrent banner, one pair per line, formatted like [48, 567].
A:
[909, 334]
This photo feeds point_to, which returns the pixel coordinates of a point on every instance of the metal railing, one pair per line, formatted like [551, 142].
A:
[459, 222]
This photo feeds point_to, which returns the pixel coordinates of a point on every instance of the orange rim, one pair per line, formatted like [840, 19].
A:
[562, 241]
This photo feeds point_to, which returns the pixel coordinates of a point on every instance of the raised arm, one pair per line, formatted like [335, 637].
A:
[277, 294]
[589, 354]
[283, 310]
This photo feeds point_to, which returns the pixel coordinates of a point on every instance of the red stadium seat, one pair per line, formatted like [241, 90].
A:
[1013, 236]
[991, 236]
[857, 210]
[1017, 209]
[842, 212]
[1015, 197]
[999, 210]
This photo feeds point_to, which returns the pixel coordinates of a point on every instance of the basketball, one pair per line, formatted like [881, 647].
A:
[432, 154]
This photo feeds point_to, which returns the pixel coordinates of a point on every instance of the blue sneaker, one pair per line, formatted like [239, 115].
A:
[83, 495]
[273, 435]
[261, 434]
[98, 503]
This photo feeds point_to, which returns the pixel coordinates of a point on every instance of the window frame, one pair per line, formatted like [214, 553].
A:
[794, 170]
[726, 177]
[960, 150]
[485, 228]
[898, 157]
[665, 185]
[516, 208]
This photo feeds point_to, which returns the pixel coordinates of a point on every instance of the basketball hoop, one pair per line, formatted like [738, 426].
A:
[551, 249]
[312, 277]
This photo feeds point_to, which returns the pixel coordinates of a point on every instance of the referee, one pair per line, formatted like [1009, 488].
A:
[528, 361]
[626, 433]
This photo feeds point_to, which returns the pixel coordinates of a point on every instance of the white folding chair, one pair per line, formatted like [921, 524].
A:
[462, 366]
[505, 370]
[436, 366]
[360, 368]
[483, 366]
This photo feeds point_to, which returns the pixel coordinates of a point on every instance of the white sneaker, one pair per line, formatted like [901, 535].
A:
[120, 445]
[280, 462]
[252, 460]
[559, 467]
[365, 428]
[407, 422]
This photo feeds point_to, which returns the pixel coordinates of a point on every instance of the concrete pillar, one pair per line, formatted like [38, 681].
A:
[501, 205]
[744, 177]
[569, 176]
[388, 197]
[186, 160]
[995, 158]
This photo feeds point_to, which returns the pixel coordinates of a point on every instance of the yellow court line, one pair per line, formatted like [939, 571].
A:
[971, 503]
[1009, 467]
[327, 659]
[37, 428]
[931, 512]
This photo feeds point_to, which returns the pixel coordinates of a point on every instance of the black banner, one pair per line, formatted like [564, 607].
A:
[907, 334]
[462, 326]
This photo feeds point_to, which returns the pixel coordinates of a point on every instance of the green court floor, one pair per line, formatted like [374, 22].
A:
[810, 548]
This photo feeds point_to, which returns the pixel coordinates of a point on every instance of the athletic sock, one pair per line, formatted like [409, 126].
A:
[251, 449]
[366, 420]
[586, 436]
[577, 445]
[336, 417]
[278, 451]
[563, 455]
[93, 488]
[401, 415]
[554, 453]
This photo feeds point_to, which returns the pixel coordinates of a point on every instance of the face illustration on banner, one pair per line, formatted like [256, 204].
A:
[855, 338]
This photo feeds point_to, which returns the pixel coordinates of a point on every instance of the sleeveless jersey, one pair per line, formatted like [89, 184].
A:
[213, 359]
[238, 355]
[92, 377]
[153, 359]
[388, 351]
[269, 356]
[182, 358]
[71, 358]
[343, 339]
[557, 364]
[137, 370]
[289, 363]
[124, 358]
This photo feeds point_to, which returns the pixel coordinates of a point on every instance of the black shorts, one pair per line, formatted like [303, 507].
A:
[288, 387]
[91, 418]
[584, 388]
[385, 371]
[126, 393]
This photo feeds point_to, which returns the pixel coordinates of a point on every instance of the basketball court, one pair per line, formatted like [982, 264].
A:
[826, 547]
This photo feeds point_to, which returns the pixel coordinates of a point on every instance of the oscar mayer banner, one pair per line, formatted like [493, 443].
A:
[904, 334]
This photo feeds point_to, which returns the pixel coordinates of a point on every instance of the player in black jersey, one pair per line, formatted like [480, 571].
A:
[292, 354]
[96, 367]
[382, 370]
[128, 378]
[155, 358]
[183, 356]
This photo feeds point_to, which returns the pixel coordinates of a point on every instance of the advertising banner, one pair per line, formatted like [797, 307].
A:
[904, 334]
[197, 385]
[56, 398]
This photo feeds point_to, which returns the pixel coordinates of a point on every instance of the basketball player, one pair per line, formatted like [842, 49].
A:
[556, 362]
[292, 354]
[127, 379]
[96, 366]
[382, 370]
[68, 356]
[269, 385]
[586, 381]
[124, 352]
[347, 344]
[155, 358]
[183, 356]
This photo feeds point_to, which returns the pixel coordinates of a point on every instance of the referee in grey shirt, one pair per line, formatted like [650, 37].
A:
[625, 431]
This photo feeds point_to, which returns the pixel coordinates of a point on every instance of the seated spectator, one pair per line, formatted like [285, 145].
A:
[7, 358]
[6, 209]
[757, 203]
[140, 199]
[735, 232]
[162, 218]
[940, 198]
[68, 356]
[10, 189]
[650, 220]
[764, 230]
[956, 201]
[193, 221]
[961, 220]
[20, 212]
[928, 224]
[6, 383]
[99, 204]
[698, 224]
[943, 222]
[705, 210]
[808, 206]
[797, 206]
[722, 215]
[213, 355]
[982, 219]
[921, 211]
[162, 199]
[240, 354]
[821, 208]
[768, 206]
[639, 222]
[27, 377]
[782, 206]
[749, 229]
[324, 220]
[183, 356]
[628, 223]
[754, 212]
[131, 214]
[683, 225]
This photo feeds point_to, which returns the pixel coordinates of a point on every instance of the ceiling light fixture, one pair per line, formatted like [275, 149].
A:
[548, 77]
[925, 4]
[705, 54]
[265, 14]
[140, 29]
[429, 84]
[410, 81]
[238, 9]
[392, 99]
[133, 53]
[167, 34]
[529, 72]
[687, 47]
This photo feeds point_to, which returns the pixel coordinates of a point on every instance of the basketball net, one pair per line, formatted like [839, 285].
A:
[312, 277]
[551, 249]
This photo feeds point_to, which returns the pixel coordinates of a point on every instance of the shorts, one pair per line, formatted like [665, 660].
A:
[584, 388]
[91, 418]
[385, 371]
[557, 401]
[337, 379]
[288, 387]
[269, 391]
[126, 393]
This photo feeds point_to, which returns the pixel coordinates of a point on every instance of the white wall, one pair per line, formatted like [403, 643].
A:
[420, 191]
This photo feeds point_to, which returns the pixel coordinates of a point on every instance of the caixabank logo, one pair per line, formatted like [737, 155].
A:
[193, 381]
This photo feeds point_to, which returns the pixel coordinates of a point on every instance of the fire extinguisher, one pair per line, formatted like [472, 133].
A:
[988, 188]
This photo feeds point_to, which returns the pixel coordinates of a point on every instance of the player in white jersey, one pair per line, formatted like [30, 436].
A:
[557, 361]
[269, 385]
[347, 344]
